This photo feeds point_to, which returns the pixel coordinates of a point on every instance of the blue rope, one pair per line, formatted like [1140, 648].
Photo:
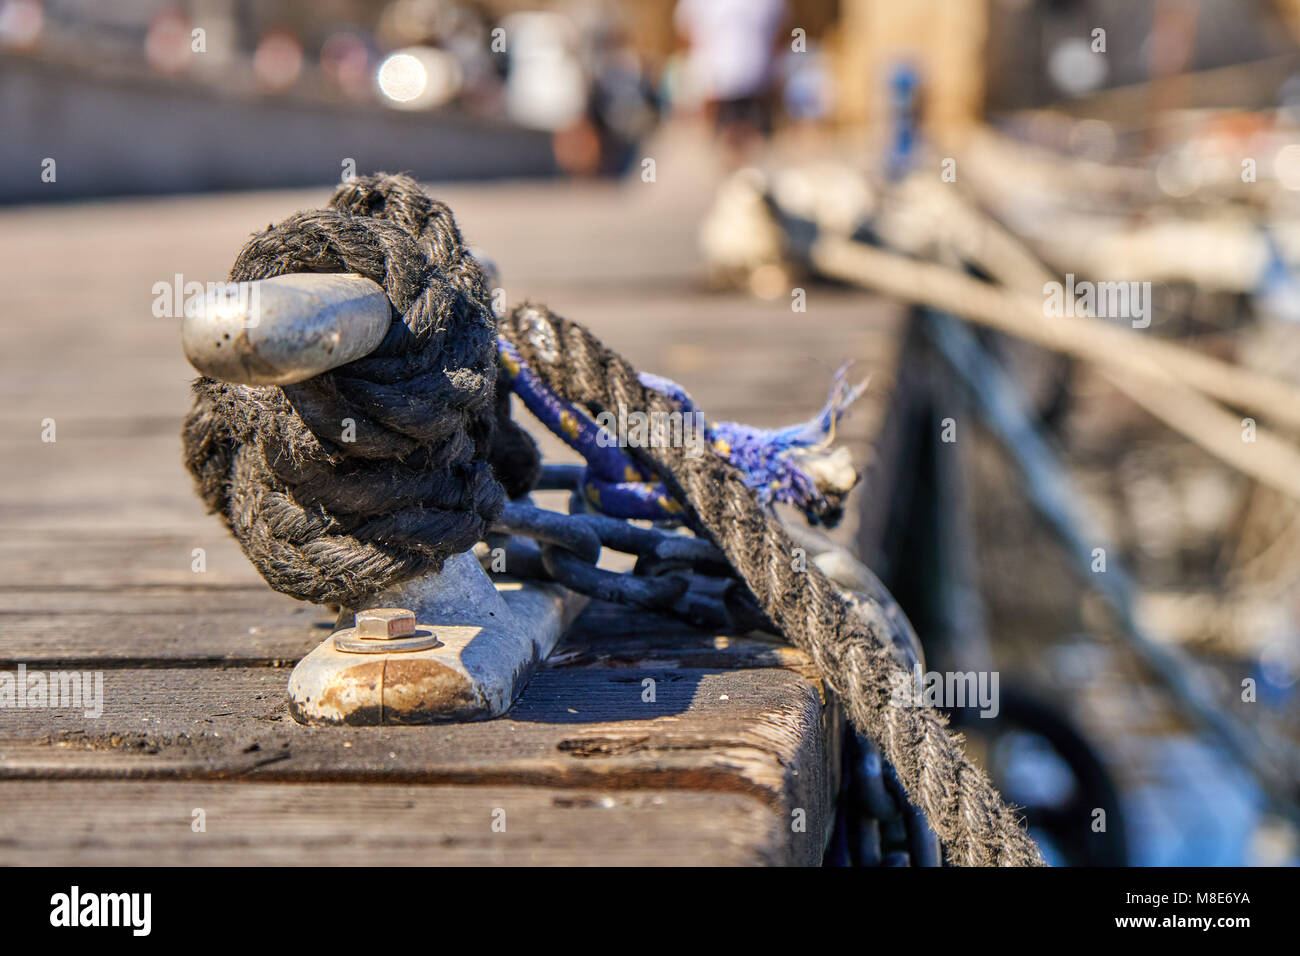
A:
[613, 484]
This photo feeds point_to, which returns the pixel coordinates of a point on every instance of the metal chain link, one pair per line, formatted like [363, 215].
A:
[886, 828]
[678, 575]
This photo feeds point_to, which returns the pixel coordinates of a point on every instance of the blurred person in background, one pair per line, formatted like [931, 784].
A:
[577, 74]
[732, 46]
[622, 104]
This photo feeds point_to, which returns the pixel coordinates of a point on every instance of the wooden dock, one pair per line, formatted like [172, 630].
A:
[108, 564]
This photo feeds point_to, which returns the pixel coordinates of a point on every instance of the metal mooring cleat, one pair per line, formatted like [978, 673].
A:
[463, 651]
[284, 330]
[454, 646]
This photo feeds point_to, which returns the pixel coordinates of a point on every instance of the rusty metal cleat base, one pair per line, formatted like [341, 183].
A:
[478, 644]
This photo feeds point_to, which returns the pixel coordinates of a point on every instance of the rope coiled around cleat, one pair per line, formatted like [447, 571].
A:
[378, 471]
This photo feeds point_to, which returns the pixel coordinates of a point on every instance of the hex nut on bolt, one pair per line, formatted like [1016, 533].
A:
[381, 623]
[385, 630]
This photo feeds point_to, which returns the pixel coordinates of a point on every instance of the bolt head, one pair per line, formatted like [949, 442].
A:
[385, 623]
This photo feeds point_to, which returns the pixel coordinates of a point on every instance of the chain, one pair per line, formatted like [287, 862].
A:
[676, 574]
[680, 575]
[878, 825]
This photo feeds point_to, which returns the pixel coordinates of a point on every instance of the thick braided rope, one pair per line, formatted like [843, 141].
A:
[847, 640]
[378, 471]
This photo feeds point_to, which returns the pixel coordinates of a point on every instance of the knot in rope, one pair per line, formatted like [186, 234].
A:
[365, 476]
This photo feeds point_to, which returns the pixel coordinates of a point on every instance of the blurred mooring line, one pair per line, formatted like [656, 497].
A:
[1271, 759]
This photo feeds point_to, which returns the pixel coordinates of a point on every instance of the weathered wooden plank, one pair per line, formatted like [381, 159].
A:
[175, 638]
[117, 599]
[83, 481]
[96, 560]
[168, 626]
[766, 732]
[153, 823]
[246, 601]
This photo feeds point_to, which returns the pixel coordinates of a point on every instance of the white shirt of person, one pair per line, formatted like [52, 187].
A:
[731, 44]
